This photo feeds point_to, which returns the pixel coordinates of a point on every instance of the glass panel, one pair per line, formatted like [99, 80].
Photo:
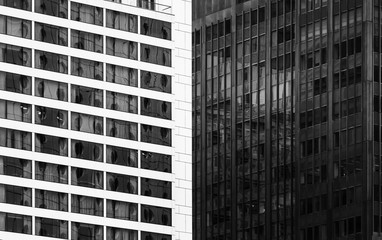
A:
[15, 111]
[81, 231]
[87, 205]
[87, 178]
[156, 81]
[51, 145]
[51, 61]
[58, 8]
[15, 139]
[156, 55]
[86, 13]
[122, 210]
[122, 156]
[155, 188]
[155, 28]
[119, 233]
[156, 215]
[121, 48]
[51, 89]
[15, 55]
[121, 21]
[51, 200]
[16, 167]
[87, 150]
[155, 161]
[87, 68]
[51, 228]
[87, 123]
[51, 172]
[15, 223]
[121, 129]
[15, 27]
[51, 117]
[87, 41]
[16, 195]
[121, 75]
[149, 235]
[156, 135]
[155, 108]
[87, 96]
[121, 183]
[15, 83]
[51, 34]
[19, 4]
[121, 102]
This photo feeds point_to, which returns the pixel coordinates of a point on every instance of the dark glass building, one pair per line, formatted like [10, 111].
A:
[286, 119]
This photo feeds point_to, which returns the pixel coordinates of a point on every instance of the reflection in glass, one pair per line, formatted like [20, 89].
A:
[155, 28]
[15, 27]
[19, 4]
[87, 68]
[119, 233]
[121, 48]
[155, 108]
[81, 231]
[51, 61]
[87, 205]
[155, 236]
[156, 81]
[51, 89]
[51, 228]
[156, 215]
[87, 123]
[15, 111]
[122, 210]
[51, 172]
[87, 178]
[57, 8]
[156, 55]
[86, 13]
[51, 145]
[16, 167]
[87, 41]
[51, 200]
[51, 34]
[121, 129]
[155, 188]
[87, 150]
[121, 102]
[121, 21]
[156, 135]
[87, 96]
[146, 4]
[15, 83]
[16, 195]
[121, 183]
[51, 117]
[15, 139]
[15, 55]
[15, 223]
[121, 75]
[122, 156]
[155, 161]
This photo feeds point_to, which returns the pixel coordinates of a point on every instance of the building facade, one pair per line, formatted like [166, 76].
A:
[286, 119]
[95, 119]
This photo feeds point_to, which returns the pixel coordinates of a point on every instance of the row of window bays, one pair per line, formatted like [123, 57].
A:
[92, 15]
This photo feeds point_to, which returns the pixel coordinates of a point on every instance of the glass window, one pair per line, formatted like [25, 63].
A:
[121, 48]
[16, 195]
[156, 81]
[122, 156]
[87, 96]
[57, 8]
[51, 61]
[51, 89]
[87, 41]
[81, 231]
[87, 178]
[51, 200]
[86, 13]
[87, 205]
[155, 108]
[15, 83]
[51, 145]
[15, 111]
[19, 4]
[51, 34]
[115, 233]
[121, 21]
[121, 102]
[51, 228]
[121, 129]
[15, 139]
[51, 172]
[121, 183]
[155, 161]
[15, 55]
[51, 117]
[87, 68]
[87, 150]
[122, 210]
[16, 167]
[155, 188]
[15, 223]
[156, 215]
[155, 28]
[15, 27]
[155, 236]
[87, 123]
[121, 75]
[156, 135]
[156, 55]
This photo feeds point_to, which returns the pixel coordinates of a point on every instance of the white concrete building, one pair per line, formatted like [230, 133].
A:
[95, 119]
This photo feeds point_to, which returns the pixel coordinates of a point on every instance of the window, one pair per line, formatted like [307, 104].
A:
[121, 129]
[15, 139]
[16, 167]
[51, 200]
[51, 172]
[58, 8]
[51, 117]
[156, 55]
[155, 108]
[51, 228]
[16, 223]
[155, 28]
[115, 233]
[87, 96]
[121, 48]
[87, 41]
[155, 135]
[15, 111]
[15, 83]
[122, 75]
[51, 145]
[19, 4]
[121, 21]
[87, 178]
[122, 210]
[87, 68]
[155, 188]
[121, 102]
[156, 81]
[15, 27]
[16, 195]
[15, 55]
[82, 231]
[86, 13]
[87, 150]
[51, 62]
[121, 183]
[155, 161]
[51, 89]
[122, 156]
[87, 123]
[156, 215]
[87, 205]
[51, 34]
[149, 235]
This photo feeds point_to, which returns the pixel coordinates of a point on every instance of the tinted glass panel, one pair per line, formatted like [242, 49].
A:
[122, 156]
[83, 231]
[51, 228]
[121, 48]
[121, 75]
[87, 96]
[121, 21]
[16, 195]
[155, 28]
[16, 167]
[115, 233]
[51, 34]
[155, 236]
[15, 27]
[15, 139]
[121, 102]
[87, 123]
[87, 150]
[156, 215]
[15, 55]
[122, 210]
[51, 172]
[87, 178]
[51, 145]
[87, 41]
[51, 117]
[155, 108]
[121, 183]
[155, 161]
[155, 188]
[87, 68]
[51, 89]
[156, 81]
[87, 205]
[58, 8]
[86, 13]
[156, 55]
[156, 135]
[19, 4]
[51, 200]
[15, 83]
[15, 111]
[15, 223]
[121, 129]
[51, 61]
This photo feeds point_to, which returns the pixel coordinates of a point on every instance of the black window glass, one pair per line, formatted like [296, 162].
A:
[121, 183]
[15, 55]
[87, 205]
[16, 167]
[15, 27]
[115, 233]
[51, 172]
[122, 156]
[155, 236]
[87, 123]
[121, 21]
[15, 111]
[155, 108]
[15, 139]
[51, 145]
[87, 96]
[51, 228]
[16, 195]
[51, 62]
[87, 68]
[121, 48]
[156, 81]
[51, 34]
[51, 200]
[87, 178]
[155, 188]
[155, 161]
[15, 223]
[156, 215]
[156, 135]
[155, 28]
[156, 55]
[19, 4]
[86, 13]
[121, 129]
[15, 83]
[51, 89]
[87, 150]
[58, 8]
[122, 210]
[121, 75]
[51, 117]
[121, 102]
[87, 41]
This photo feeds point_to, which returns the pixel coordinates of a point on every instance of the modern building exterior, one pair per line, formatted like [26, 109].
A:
[286, 119]
[95, 119]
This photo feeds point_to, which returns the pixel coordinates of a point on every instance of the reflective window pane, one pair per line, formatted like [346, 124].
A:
[121, 129]
[87, 96]
[19, 4]
[87, 123]
[15, 111]
[16, 195]
[87, 68]
[15, 55]
[155, 236]
[87, 41]
[15, 139]
[121, 75]
[122, 156]
[57, 8]
[51, 200]
[155, 135]
[155, 28]
[121, 102]
[51, 62]
[86, 13]
[51, 89]
[51, 172]
[155, 81]
[81, 231]
[155, 161]
[16, 167]
[155, 188]
[156, 215]
[121, 183]
[15, 27]
[51, 34]
[116, 233]
[87, 178]
[51, 117]
[87, 205]
[15, 83]
[121, 21]
[51, 228]
[87, 150]
[121, 48]
[51, 145]
[122, 210]
[156, 55]
[155, 108]
[16, 223]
